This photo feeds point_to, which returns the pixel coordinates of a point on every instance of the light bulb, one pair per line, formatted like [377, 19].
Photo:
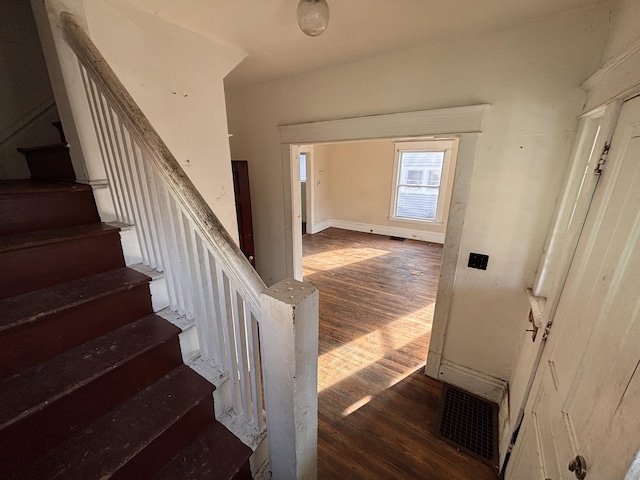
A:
[313, 16]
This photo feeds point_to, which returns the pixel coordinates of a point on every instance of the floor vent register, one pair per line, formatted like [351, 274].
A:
[470, 423]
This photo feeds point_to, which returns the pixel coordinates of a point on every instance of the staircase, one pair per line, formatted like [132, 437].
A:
[92, 383]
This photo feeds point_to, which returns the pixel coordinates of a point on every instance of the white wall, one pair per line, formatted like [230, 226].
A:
[530, 74]
[175, 75]
[361, 176]
[26, 98]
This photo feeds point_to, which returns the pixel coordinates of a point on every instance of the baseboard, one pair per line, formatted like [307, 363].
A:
[387, 230]
[318, 227]
[473, 381]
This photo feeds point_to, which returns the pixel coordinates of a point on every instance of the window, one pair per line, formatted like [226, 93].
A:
[420, 180]
[303, 166]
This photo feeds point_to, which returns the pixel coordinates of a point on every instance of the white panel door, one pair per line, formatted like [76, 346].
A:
[586, 396]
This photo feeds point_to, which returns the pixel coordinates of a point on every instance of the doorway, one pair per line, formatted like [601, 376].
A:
[375, 213]
[463, 123]
[445, 123]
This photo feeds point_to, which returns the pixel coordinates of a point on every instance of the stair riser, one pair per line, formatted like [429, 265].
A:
[31, 344]
[51, 164]
[40, 211]
[100, 411]
[244, 473]
[43, 430]
[39, 267]
[146, 463]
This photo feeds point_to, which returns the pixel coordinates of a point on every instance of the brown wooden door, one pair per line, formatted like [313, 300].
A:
[243, 208]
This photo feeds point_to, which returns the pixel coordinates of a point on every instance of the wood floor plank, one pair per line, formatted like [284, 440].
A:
[376, 407]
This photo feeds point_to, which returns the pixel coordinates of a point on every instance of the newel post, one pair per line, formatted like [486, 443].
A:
[289, 344]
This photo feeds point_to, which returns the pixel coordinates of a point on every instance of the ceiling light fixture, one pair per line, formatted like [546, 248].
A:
[313, 16]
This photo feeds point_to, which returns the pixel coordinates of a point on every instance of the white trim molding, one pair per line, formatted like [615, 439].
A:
[318, 227]
[463, 123]
[467, 151]
[617, 79]
[394, 125]
[95, 184]
[473, 381]
[409, 233]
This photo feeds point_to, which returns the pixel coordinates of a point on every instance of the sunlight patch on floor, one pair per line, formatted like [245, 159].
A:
[346, 360]
[322, 262]
[354, 407]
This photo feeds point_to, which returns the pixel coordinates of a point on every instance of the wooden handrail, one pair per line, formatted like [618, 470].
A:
[227, 252]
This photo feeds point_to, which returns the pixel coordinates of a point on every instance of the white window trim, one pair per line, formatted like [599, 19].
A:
[445, 146]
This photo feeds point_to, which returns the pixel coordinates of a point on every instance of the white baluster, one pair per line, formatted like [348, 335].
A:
[183, 253]
[195, 260]
[172, 241]
[133, 190]
[158, 214]
[226, 308]
[111, 153]
[90, 90]
[145, 177]
[255, 371]
[214, 316]
[143, 225]
[239, 321]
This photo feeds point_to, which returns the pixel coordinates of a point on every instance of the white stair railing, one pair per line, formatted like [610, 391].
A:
[208, 278]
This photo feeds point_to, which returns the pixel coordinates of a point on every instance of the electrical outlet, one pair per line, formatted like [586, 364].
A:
[478, 260]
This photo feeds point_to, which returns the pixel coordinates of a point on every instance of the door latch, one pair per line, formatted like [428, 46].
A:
[579, 467]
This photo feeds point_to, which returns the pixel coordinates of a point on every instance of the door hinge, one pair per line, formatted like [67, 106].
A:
[603, 159]
[547, 331]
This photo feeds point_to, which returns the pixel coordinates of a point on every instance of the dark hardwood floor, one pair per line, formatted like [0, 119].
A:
[376, 407]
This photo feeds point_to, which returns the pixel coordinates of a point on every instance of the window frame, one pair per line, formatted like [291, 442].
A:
[439, 145]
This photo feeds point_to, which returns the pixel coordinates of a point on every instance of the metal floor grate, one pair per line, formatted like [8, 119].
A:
[469, 423]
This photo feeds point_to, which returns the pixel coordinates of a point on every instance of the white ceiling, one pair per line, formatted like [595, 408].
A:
[358, 29]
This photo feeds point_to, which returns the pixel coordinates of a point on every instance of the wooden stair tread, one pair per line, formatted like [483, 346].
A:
[109, 443]
[216, 454]
[51, 146]
[44, 237]
[29, 307]
[42, 384]
[31, 205]
[20, 187]
[91, 381]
